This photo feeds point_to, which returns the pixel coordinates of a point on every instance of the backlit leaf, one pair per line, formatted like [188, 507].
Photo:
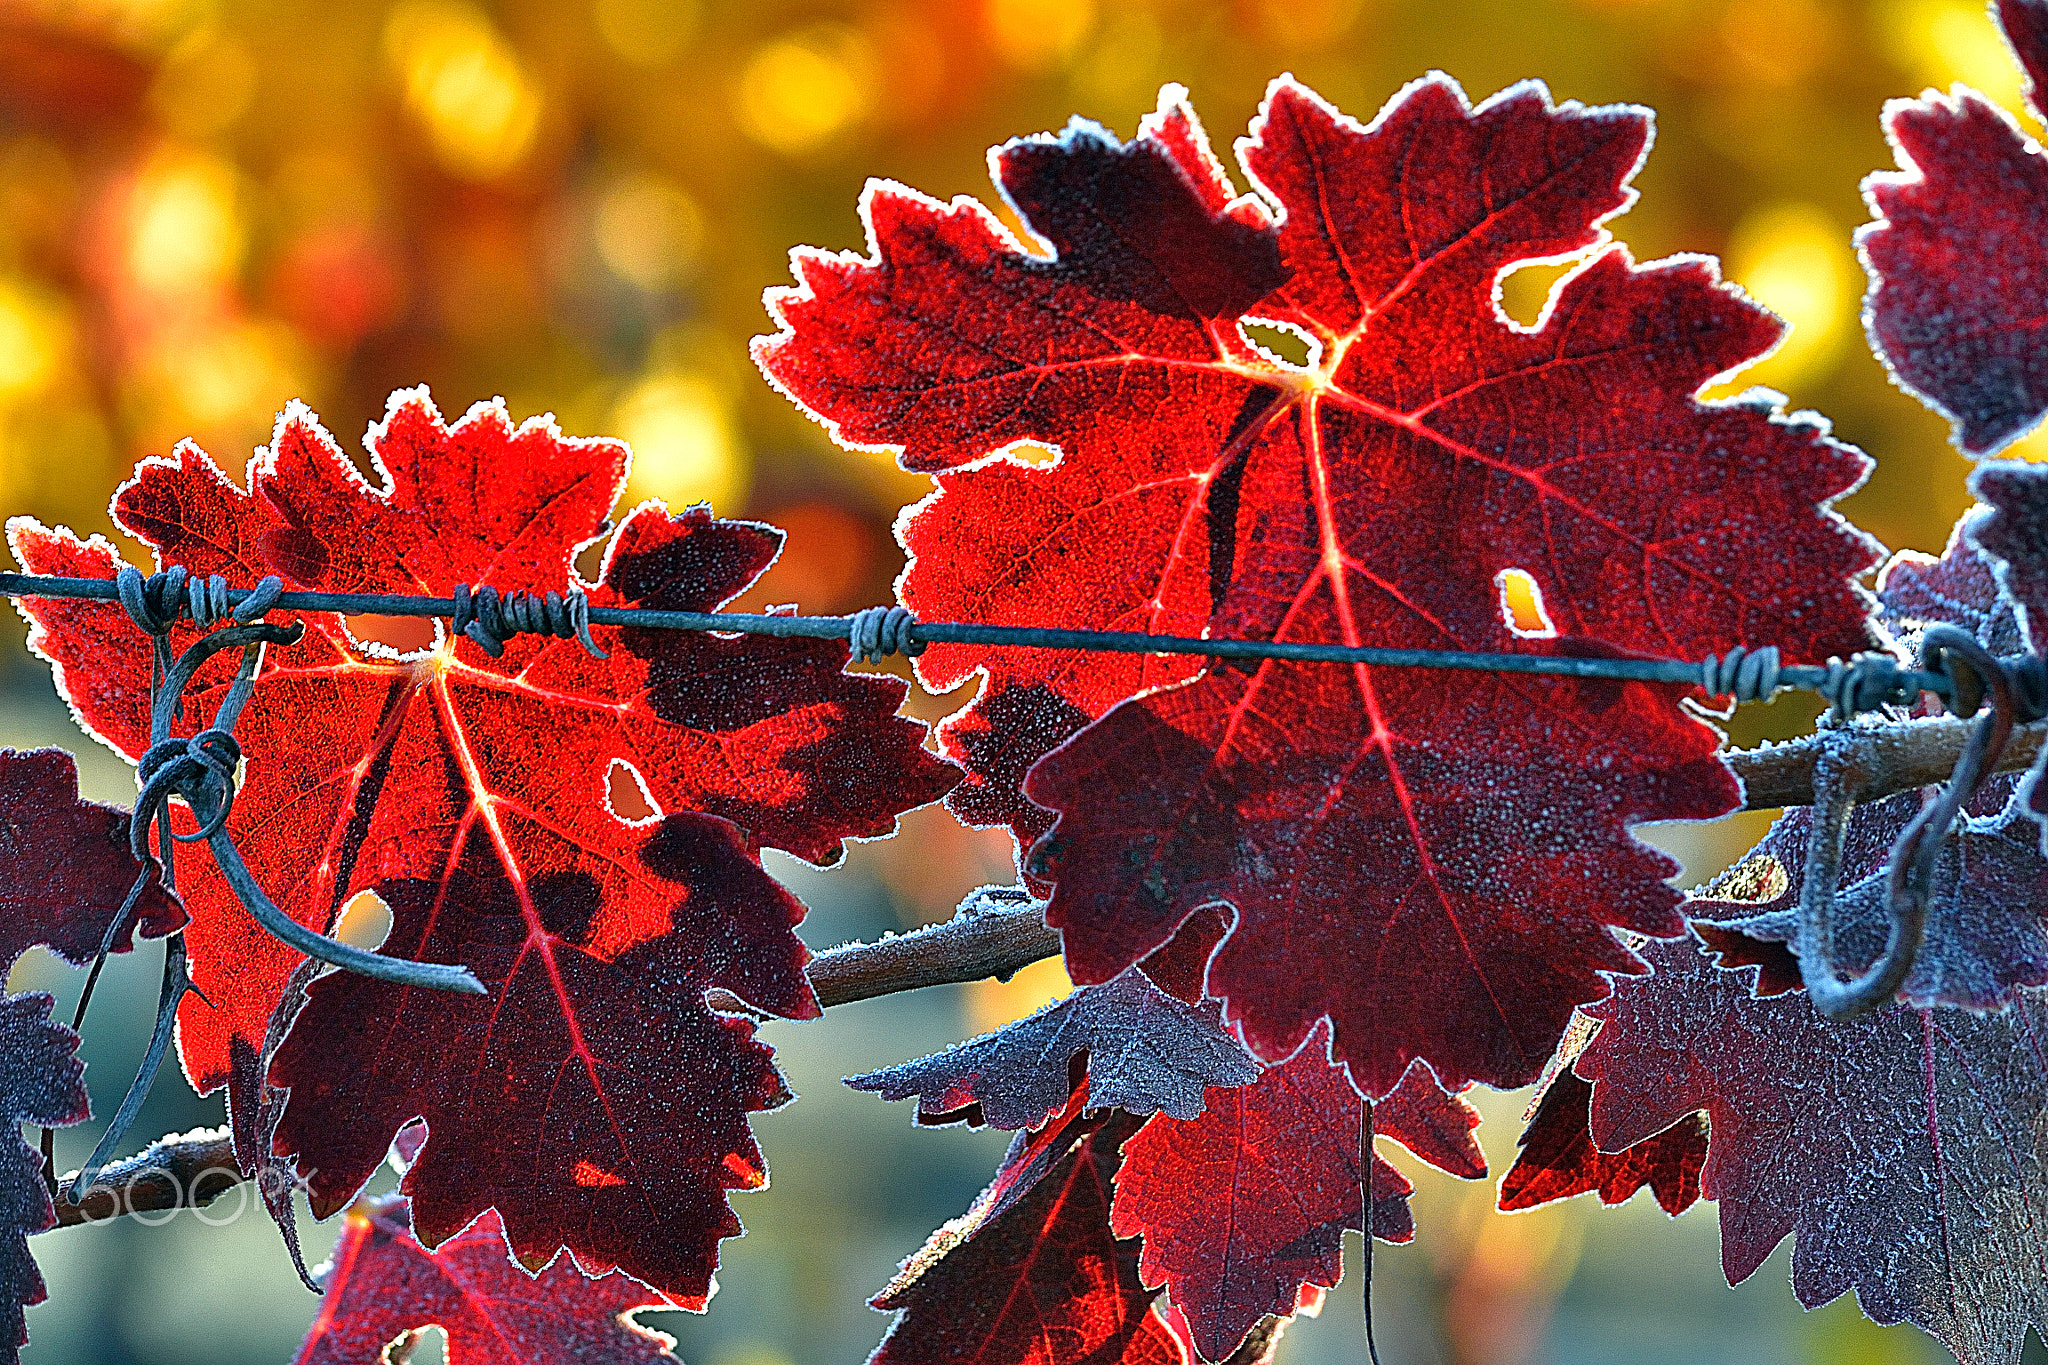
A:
[1039, 1281]
[471, 792]
[1958, 269]
[1432, 860]
[383, 1287]
[1247, 1204]
[41, 1081]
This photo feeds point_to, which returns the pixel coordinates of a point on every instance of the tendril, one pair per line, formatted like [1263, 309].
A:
[1842, 770]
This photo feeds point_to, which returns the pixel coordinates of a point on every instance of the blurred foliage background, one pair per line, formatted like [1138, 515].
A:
[208, 207]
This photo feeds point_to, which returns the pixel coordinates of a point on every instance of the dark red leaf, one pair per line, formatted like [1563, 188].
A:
[1959, 589]
[1041, 1282]
[1906, 1148]
[2015, 532]
[1180, 966]
[1958, 273]
[41, 1081]
[65, 867]
[1242, 1207]
[1146, 1052]
[1557, 1158]
[2026, 27]
[383, 1287]
[478, 786]
[618, 1136]
[1434, 860]
[1778, 967]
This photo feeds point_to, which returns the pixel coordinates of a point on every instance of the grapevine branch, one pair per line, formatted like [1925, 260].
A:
[179, 1170]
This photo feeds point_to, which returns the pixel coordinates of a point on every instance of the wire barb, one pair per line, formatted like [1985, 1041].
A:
[1863, 683]
[1744, 674]
[877, 632]
[490, 618]
[156, 603]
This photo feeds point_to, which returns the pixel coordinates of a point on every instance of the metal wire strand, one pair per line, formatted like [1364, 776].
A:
[877, 632]
[490, 618]
[1864, 683]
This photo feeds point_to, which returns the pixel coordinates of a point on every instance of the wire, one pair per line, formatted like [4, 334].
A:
[1863, 683]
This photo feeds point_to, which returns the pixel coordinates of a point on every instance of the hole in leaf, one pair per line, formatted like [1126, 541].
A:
[1283, 343]
[1521, 604]
[627, 794]
[590, 559]
[1031, 453]
[365, 921]
[406, 1145]
[400, 634]
[427, 1346]
[1757, 881]
[1526, 288]
[750, 1176]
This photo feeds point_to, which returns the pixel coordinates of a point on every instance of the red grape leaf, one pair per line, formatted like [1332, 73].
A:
[1958, 275]
[2015, 532]
[1906, 1148]
[383, 1287]
[1041, 1282]
[41, 1081]
[65, 866]
[618, 1136]
[1260, 1345]
[1959, 589]
[1032, 1152]
[1557, 1159]
[1180, 966]
[1243, 1206]
[2026, 27]
[1146, 1052]
[487, 778]
[1777, 967]
[1353, 817]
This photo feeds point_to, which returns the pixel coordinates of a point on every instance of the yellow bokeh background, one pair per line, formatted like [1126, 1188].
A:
[209, 207]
